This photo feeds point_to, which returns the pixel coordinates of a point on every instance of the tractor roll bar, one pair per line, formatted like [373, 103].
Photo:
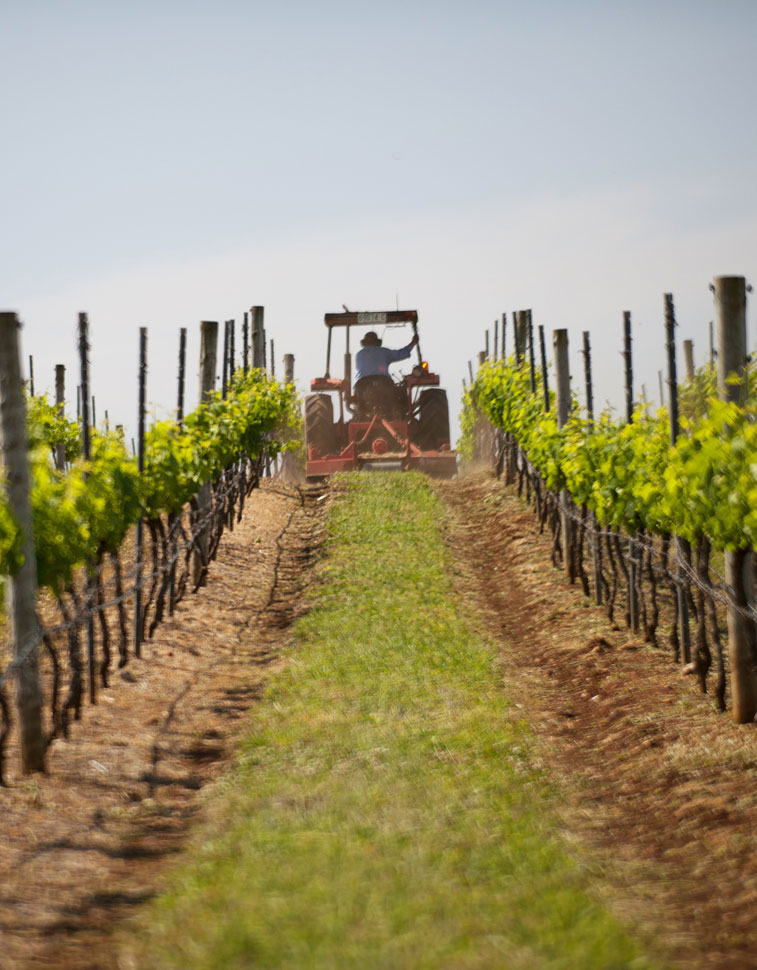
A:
[368, 318]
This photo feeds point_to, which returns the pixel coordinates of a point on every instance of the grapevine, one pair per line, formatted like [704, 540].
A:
[628, 473]
[88, 508]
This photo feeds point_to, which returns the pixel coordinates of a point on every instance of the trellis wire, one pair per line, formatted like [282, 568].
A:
[668, 568]
[83, 616]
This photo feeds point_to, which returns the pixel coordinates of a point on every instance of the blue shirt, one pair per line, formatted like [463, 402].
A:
[376, 360]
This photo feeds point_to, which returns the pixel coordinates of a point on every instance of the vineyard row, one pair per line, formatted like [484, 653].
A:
[658, 503]
[186, 485]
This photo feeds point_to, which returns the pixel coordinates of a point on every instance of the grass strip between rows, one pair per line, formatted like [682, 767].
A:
[385, 812]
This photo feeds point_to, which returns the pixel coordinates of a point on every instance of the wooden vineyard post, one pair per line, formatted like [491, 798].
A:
[544, 378]
[504, 334]
[712, 343]
[182, 376]
[174, 519]
[522, 332]
[628, 360]
[223, 357]
[21, 588]
[496, 337]
[60, 403]
[232, 352]
[523, 316]
[272, 465]
[518, 350]
[730, 308]
[85, 449]
[84, 386]
[681, 546]
[531, 356]
[562, 371]
[245, 346]
[258, 337]
[633, 548]
[208, 358]
[31, 376]
[138, 624]
[208, 354]
[470, 369]
[596, 539]
[688, 358]
[486, 344]
[288, 462]
[587, 377]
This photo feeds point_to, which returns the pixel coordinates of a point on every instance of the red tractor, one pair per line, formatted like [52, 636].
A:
[382, 424]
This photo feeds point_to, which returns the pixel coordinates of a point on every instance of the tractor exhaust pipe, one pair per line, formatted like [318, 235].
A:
[328, 356]
[348, 363]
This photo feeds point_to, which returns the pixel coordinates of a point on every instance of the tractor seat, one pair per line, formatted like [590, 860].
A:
[378, 394]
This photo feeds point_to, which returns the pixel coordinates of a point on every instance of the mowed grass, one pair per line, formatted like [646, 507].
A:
[385, 812]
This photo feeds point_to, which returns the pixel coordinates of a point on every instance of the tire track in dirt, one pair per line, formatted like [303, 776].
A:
[86, 844]
[659, 786]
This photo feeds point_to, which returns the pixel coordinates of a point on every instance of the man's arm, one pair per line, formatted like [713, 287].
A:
[403, 353]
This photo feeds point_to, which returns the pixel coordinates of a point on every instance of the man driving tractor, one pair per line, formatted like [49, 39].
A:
[374, 360]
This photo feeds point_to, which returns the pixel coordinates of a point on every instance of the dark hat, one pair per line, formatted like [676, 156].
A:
[371, 340]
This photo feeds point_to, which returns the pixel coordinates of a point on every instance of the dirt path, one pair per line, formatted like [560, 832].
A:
[659, 785]
[85, 844]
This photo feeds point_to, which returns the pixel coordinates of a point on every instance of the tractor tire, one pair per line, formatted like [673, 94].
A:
[433, 420]
[319, 423]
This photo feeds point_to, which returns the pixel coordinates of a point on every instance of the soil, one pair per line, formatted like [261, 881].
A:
[658, 785]
[659, 789]
[83, 845]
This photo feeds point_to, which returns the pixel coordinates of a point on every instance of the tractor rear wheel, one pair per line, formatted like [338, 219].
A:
[319, 423]
[433, 419]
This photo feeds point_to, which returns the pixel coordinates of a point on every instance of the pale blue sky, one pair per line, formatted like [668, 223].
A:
[174, 161]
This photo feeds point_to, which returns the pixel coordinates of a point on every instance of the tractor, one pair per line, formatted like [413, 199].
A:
[382, 424]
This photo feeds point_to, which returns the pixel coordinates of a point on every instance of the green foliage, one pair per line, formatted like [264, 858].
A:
[695, 394]
[628, 473]
[467, 426]
[711, 483]
[11, 557]
[179, 460]
[62, 535]
[88, 508]
[46, 426]
[291, 427]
